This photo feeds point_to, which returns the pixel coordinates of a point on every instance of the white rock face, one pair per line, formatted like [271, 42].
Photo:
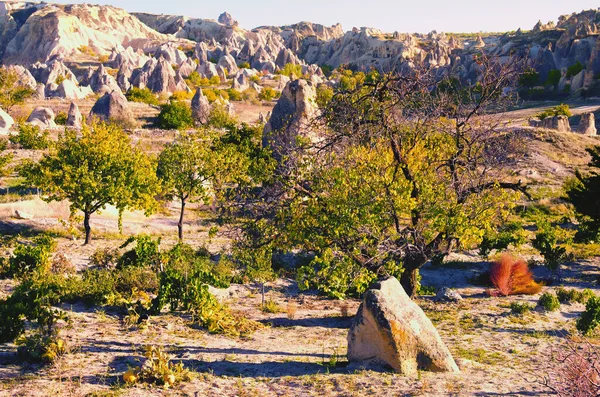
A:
[113, 106]
[42, 117]
[390, 328]
[57, 31]
[587, 124]
[74, 119]
[6, 122]
[200, 107]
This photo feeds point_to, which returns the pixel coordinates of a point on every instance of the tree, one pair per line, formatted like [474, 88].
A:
[175, 116]
[97, 169]
[584, 193]
[405, 169]
[12, 92]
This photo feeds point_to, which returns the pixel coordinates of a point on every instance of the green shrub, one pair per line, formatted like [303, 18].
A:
[560, 110]
[182, 96]
[268, 94]
[546, 242]
[234, 95]
[509, 234]
[529, 78]
[590, 318]
[553, 77]
[292, 71]
[574, 69]
[143, 95]
[549, 302]
[215, 80]
[244, 65]
[145, 254]
[61, 118]
[324, 95]
[572, 295]
[30, 137]
[219, 117]
[519, 309]
[27, 258]
[270, 306]
[175, 116]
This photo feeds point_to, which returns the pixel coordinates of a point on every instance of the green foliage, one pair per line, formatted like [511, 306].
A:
[175, 116]
[519, 308]
[143, 95]
[146, 253]
[292, 71]
[529, 78]
[182, 96]
[324, 95]
[98, 168]
[268, 94]
[244, 65]
[553, 78]
[12, 92]
[327, 70]
[219, 117]
[572, 295]
[30, 137]
[590, 318]
[549, 302]
[196, 80]
[547, 243]
[560, 110]
[234, 95]
[61, 118]
[270, 306]
[574, 69]
[215, 80]
[508, 234]
[583, 192]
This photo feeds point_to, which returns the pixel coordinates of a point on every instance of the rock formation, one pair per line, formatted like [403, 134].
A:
[200, 107]
[6, 122]
[112, 106]
[587, 124]
[558, 123]
[390, 328]
[42, 117]
[292, 116]
[74, 118]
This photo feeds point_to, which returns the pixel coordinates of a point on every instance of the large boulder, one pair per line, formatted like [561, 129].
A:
[389, 328]
[587, 124]
[74, 118]
[113, 106]
[200, 107]
[227, 62]
[227, 20]
[294, 115]
[6, 122]
[42, 117]
[558, 123]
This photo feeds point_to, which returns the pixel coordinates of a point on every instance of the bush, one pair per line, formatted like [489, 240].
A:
[210, 94]
[244, 65]
[270, 306]
[519, 309]
[105, 258]
[549, 302]
[529, 78]
[145, 254]
[29, 258]
[324, 95]
[175, 116]
[510, 234]
[292, 71]
[268, 94]
[182, 96]
[560, 110]
[61, 118]
[546, 242]
[143, 95]
[157, 369]
[215, 80]
[574, 69]
[219, 117]
[572, 295]
[590, 318]
[513, 277]
[30, 137]
[553, 77]
[234, 95]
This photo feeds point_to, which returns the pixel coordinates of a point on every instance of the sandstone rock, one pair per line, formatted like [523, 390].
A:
[228, 63]
[240, 82]
[392, 329]
[100, 81]
[448, 295]
[20, 214]
[208, 70]
[227, 20]
[42, 117]
[40, 91]
[171, 53]
[112, 106]
[25, 77]
[587, 124]
[292, 116]
[74, 118]
[558, 123]
[200, 107]
[6, 122]
[69, 90]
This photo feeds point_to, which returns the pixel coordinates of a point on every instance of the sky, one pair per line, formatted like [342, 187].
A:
[413, 16]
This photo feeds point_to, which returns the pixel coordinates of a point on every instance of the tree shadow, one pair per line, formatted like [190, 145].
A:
[324, 322]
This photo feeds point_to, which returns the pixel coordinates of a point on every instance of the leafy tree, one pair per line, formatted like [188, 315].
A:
[96, 169]
[401, 173]
[31, 137]
[574, 69]
[267, 94]
[143, 95]
[553, 77]
[529, 78]
[584, 193]
[559, 110]
[175, 116]
[12, 92]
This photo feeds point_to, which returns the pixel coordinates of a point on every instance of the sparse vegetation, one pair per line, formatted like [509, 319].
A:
[143, 95]
[549, 302]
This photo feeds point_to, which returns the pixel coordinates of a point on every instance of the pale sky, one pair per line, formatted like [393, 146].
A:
[420, 16]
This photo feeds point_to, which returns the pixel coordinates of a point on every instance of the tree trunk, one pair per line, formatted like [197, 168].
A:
[88, 229]
[408, 280]
[180, 224]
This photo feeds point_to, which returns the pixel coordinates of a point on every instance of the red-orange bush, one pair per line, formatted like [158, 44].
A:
[513, 277]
